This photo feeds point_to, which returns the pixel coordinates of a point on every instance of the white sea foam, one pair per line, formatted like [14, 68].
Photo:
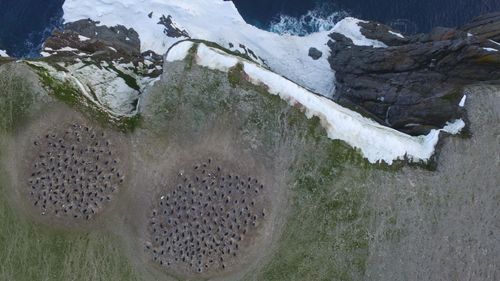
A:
[316, 20]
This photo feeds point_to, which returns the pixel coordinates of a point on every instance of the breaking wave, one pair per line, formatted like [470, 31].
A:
[319, 19]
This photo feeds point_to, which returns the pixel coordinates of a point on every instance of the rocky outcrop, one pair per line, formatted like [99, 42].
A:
[415, 84]
[171, 29]
[86, 38]
[104, 63]
[485, 27]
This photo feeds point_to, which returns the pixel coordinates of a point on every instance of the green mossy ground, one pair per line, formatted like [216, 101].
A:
[15, 103]
[327, 232]
[29, 251]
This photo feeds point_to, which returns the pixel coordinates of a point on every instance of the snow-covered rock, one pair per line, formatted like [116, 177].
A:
[113, 87]
[350, 28]
[220, 22]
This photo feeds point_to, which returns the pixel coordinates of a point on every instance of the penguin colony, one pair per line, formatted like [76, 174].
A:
[201, 222]
[75, 172]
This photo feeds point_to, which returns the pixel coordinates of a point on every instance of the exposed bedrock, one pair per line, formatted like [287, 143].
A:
[486, 27]
[415, 84]
[86, 38]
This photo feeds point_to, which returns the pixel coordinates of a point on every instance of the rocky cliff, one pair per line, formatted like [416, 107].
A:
[415, 84]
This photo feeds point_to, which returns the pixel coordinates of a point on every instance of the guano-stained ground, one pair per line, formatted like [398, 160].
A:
[334, 215]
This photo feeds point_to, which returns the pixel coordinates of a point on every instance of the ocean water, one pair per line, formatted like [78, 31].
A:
[408, 16]
[24, 24]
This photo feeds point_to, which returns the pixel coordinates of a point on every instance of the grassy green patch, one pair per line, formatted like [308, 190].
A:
[191, 56]
[16, 99]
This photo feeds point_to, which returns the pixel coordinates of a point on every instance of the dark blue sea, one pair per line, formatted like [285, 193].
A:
[24, 24]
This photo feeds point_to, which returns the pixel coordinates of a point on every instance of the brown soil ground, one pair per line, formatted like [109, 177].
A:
[159, 161]
[32, 144]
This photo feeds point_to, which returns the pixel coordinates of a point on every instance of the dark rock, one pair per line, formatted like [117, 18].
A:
[414, 85]
[315, 54]
[382, 33]
[101, 43]
[485, 27]
[171, 30]
[119, 37]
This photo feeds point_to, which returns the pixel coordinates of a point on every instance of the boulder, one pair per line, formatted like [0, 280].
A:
[315, 54]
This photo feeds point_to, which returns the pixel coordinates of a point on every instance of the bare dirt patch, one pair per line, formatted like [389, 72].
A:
[194, 214]
[204, 217]
[68, 169]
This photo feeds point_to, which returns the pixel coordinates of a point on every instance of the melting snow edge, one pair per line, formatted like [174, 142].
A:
[376, 143]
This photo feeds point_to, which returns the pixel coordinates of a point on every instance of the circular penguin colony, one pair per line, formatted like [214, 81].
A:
[204, 219]
[74, 173]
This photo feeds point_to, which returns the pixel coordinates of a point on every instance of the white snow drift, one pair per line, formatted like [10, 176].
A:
[219, 21]
[376, 142]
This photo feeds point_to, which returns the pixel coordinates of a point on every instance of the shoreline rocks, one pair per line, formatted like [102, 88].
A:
[415, 84]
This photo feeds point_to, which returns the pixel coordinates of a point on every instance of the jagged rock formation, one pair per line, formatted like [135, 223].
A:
[171, 30]
[86, 38]
[105, 63]
[414, 84]
[485, 27]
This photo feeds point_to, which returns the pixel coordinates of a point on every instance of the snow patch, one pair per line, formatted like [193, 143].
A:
[454, 127]
[103, 86]
[217, 21]
[4, 54]
[67, 49]
[376, 142]
[462, 101]
[397, 34]
[350, 28]
[215, 59]
[179, 51]
[83, 38]
[490, 50]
